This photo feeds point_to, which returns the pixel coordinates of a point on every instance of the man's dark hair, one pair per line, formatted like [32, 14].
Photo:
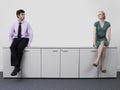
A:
[19, 11]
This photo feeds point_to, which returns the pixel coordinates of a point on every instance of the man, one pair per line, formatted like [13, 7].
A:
[21, 36]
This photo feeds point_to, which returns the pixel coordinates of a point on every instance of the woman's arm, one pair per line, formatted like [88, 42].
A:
[94, 36]
[109, 35]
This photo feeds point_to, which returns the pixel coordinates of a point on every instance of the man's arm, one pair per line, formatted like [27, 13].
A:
[30, 33]
[11, 33]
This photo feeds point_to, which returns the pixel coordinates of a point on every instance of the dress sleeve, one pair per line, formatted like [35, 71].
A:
[109, 25]
[95, 24]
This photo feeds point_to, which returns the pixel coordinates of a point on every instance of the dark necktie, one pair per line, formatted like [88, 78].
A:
[19, 30]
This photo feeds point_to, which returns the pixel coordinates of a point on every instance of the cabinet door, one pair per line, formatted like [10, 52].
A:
[110, 64]
[50, 63]
[87, 58]
[7, 68]
[31, 63]
[69, 63]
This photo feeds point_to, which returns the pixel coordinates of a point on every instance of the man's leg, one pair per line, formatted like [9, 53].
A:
[13, 49]
[19, 49]
[14, 57]
[23, 43]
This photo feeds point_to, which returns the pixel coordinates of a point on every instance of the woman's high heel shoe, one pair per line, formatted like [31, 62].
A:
[95, 65]
[103, 70]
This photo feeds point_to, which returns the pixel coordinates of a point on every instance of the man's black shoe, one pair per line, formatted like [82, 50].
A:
[15, 71]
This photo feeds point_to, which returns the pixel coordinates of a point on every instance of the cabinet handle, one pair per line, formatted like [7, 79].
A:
[55, 50]
[93, 50]
[64, 50]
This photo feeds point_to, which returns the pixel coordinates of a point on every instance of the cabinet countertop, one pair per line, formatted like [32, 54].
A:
[36, 47]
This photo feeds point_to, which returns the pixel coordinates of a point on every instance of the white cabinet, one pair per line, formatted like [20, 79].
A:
[87, 58]
[30, 65]
[110, 64]
[50, 63]
[69, 63]
[61, 63]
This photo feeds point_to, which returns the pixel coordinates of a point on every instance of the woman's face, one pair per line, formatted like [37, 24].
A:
[100, 15]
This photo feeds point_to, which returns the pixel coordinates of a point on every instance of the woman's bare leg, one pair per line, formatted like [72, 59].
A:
[103, 58]
[100, 50]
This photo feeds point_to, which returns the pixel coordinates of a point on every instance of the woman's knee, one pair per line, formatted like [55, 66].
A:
[102, 43]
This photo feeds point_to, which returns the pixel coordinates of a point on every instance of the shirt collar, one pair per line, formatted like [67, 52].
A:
[21, 21]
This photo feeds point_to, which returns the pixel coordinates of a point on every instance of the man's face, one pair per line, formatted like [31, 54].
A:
[21, 16]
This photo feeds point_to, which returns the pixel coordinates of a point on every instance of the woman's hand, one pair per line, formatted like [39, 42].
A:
[108, 44]
[94, 45]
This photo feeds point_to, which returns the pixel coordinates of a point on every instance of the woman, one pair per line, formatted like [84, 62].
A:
[102, 36]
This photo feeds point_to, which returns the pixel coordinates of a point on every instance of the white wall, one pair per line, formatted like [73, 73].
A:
[60, 22]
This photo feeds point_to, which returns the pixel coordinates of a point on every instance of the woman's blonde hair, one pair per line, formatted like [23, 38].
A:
[104, 16]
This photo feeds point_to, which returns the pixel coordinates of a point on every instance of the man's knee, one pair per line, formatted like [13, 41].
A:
[12, 48]
[20, 48]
